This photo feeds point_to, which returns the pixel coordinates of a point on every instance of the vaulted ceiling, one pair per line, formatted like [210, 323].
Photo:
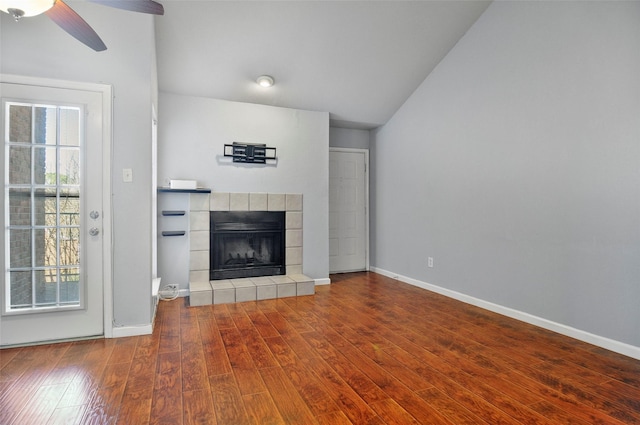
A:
[357, 60]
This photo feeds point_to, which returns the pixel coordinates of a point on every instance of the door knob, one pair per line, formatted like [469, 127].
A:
[94, 214]
[94, 231]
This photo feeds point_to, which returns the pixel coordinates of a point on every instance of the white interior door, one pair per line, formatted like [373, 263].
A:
[52, 214]
[348, 220]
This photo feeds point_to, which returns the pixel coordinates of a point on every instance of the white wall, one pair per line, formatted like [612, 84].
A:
[191, 138]
[38, 47]
[516, 165]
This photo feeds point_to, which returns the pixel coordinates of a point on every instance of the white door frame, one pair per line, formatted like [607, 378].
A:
[366, 195]
[107, 131]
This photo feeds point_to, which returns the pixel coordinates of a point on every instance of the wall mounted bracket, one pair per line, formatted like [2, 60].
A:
[250, 153]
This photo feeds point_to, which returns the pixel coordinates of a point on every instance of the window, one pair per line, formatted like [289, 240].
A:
[43, 150]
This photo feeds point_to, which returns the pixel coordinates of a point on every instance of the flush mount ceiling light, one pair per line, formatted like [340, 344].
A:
[20, 8]
[265, 81]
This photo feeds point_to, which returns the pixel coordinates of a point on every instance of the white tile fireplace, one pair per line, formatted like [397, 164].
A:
[291, 284]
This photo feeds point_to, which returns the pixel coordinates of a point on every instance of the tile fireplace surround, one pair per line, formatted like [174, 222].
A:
[203, 291]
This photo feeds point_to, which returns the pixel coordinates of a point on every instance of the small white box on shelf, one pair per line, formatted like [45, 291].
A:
[183, 184]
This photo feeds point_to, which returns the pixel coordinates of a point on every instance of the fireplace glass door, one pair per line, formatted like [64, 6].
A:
[246, 244]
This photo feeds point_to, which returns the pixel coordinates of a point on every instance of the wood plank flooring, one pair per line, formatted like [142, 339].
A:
[364, 350]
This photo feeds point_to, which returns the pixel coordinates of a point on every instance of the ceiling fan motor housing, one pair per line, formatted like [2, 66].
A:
[22, 8]
[67, 19]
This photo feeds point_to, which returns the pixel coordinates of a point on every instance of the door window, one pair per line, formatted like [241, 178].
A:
[42, 181]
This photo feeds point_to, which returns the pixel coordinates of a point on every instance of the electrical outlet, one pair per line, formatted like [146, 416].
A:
[127, 175]
[430, 262]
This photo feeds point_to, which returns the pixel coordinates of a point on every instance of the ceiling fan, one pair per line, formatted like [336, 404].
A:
[60, 13]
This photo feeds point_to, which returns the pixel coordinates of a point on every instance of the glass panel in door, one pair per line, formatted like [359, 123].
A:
[43, 148]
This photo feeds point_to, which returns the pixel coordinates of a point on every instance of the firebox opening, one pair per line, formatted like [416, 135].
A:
[246, 244]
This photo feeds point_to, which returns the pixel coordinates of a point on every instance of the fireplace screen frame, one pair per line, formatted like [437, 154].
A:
[259, 225]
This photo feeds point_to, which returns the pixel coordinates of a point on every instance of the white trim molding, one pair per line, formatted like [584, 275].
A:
[600, 341]
[124, 331]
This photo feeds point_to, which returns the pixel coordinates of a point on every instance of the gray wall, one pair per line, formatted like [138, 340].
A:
[348, 138]
[37, 47]
[516, 166]
[192, 133]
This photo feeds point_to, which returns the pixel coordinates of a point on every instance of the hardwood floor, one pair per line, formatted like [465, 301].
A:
[364, 350]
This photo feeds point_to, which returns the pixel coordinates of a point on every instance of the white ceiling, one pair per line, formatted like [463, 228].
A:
[357, 60]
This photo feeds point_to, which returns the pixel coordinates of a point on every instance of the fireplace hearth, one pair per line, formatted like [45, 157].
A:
[246, 244]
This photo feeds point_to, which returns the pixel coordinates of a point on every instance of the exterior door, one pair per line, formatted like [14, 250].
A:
[348, 219]
[52, 214]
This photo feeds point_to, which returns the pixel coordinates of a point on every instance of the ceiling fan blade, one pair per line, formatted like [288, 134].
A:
[142, 6]
[72, 23]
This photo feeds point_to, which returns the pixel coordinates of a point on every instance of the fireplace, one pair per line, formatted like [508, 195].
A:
[246, 244]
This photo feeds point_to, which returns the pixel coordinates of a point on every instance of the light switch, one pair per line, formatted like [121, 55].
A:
[127, 175]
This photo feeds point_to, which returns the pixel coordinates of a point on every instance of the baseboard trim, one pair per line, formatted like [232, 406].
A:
[600, 341]
[124, 331]
[155, 286]
[326, 281]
